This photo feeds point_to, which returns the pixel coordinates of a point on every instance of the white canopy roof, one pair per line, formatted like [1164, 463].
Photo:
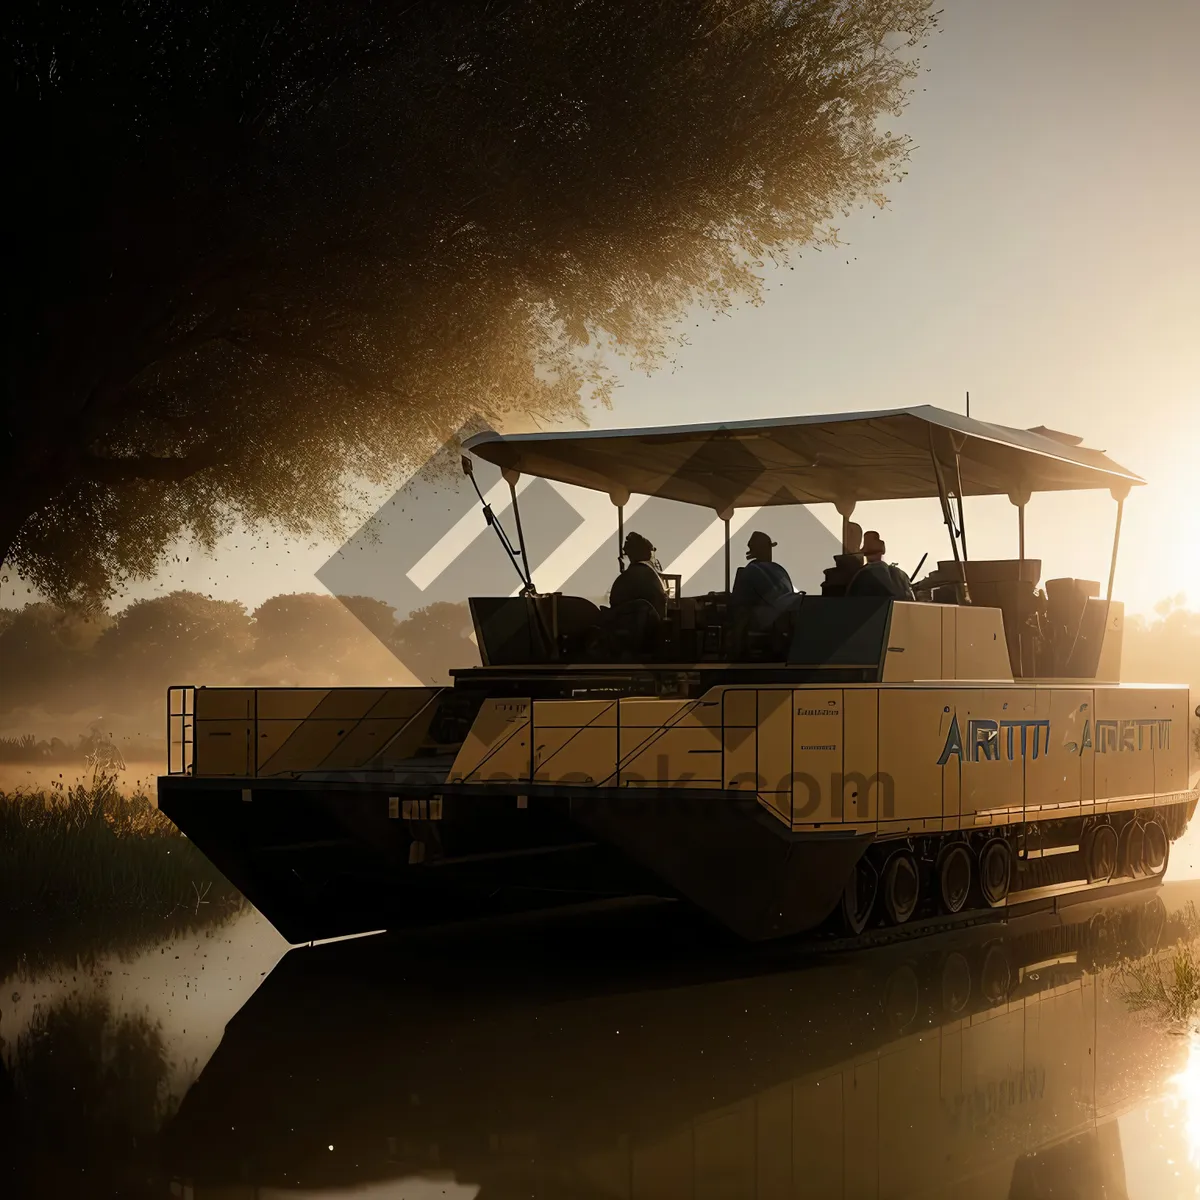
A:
[837, 458]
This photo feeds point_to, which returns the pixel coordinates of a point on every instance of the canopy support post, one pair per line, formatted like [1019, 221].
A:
[1112, 570]
[851, 534]
[620, 498]
[947, 515]
[725, 515]
[1019, 497]
[726, 520]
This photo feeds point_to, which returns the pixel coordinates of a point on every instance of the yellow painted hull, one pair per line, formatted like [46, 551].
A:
[337, 810]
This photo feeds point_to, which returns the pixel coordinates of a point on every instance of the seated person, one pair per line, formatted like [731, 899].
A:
[640, 580]
[762, 590]
[761, 581]
[877, 578]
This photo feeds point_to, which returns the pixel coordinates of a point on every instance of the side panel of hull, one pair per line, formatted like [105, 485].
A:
[279, 731]
[755, 804]
[729, 857]
[892, 760]
[321, 861]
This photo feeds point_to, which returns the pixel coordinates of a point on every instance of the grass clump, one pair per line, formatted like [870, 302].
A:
[1166, 987]
[87, 869]
[88, 847]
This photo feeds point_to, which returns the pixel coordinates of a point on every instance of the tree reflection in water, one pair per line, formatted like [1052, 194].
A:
[88, 1091]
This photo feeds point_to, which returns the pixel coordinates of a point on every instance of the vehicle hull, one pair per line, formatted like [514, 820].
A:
[338, 811]
[321, 861]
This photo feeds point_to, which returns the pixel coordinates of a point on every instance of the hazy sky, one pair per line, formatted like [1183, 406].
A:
[1043, 253]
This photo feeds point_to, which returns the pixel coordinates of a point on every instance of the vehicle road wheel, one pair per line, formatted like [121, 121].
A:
[1156, 849]
[954, 871]
[901, 888]
[858, 897]
[995, 872]
[1101, 856]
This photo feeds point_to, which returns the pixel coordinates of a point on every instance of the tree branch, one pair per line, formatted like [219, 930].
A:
[261, 342]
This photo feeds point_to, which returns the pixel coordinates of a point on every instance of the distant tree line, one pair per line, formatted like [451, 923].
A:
[83, 673]
[69, 671]
[1166, 649]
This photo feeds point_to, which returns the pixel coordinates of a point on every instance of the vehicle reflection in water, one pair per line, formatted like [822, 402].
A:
[626, 1056]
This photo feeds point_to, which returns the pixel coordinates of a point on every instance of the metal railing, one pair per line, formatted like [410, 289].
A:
[181, 729]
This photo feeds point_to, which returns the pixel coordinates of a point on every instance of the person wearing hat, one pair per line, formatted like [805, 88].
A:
[877, 578]
[761, 580]
[762, 589]
[640, 580]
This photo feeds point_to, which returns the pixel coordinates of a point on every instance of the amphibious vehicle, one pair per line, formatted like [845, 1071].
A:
[856, 759]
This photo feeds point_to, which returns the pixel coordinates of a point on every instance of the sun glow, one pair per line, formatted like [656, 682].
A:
[1185, 1093]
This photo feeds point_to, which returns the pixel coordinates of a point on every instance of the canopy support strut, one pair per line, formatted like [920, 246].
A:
[962, 520]
[948, 516]
[511, 479]
[494, 521]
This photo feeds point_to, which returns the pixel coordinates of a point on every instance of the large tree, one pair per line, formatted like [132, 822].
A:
[261, 249]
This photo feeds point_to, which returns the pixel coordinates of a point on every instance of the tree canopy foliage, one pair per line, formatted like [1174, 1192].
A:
[259, 249]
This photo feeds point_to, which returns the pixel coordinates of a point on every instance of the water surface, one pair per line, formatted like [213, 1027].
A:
[624, 1055]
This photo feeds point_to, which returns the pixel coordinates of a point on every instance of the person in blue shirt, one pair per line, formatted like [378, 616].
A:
[877, 578]
[761, 579]
[762, 590]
